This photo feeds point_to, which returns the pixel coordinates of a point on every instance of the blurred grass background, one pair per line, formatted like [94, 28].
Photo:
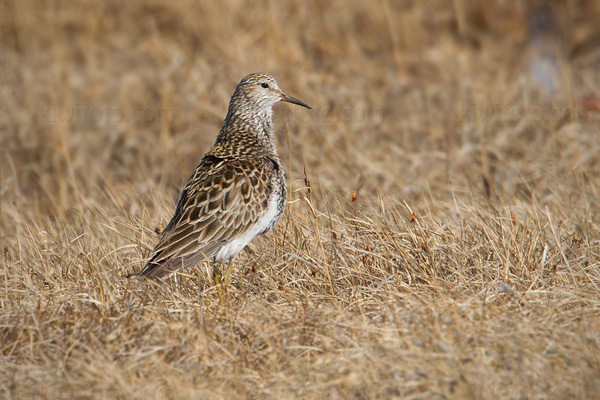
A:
[448, 246]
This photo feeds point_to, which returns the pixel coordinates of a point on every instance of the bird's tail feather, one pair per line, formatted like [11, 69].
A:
[161, 268]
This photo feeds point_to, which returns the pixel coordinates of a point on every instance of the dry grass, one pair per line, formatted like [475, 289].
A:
[465, 265]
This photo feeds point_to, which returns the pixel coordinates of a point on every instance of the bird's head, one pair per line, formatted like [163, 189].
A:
[262, 92]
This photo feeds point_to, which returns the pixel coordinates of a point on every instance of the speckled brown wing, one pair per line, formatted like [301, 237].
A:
[222, 200]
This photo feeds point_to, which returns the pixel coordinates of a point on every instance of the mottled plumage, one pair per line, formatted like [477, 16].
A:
[237, 192]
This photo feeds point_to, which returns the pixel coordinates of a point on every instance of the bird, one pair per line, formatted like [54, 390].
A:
[238, 190]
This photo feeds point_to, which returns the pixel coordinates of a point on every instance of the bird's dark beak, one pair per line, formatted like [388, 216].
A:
[290, 99]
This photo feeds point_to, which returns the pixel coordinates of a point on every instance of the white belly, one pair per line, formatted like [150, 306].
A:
[233, 247]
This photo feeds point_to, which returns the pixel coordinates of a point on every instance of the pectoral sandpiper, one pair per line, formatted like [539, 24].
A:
[237, 192]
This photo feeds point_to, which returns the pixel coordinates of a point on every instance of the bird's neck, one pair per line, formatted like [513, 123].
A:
[257, 122]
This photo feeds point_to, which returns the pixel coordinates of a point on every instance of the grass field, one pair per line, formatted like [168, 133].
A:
[441, 239]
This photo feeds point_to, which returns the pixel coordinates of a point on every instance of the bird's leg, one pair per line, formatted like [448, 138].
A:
[218, 277]
[228, 273]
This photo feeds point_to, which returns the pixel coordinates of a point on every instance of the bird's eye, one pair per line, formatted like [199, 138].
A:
[265, 85]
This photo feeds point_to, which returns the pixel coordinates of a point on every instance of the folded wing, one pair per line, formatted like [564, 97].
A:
[222, 200]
